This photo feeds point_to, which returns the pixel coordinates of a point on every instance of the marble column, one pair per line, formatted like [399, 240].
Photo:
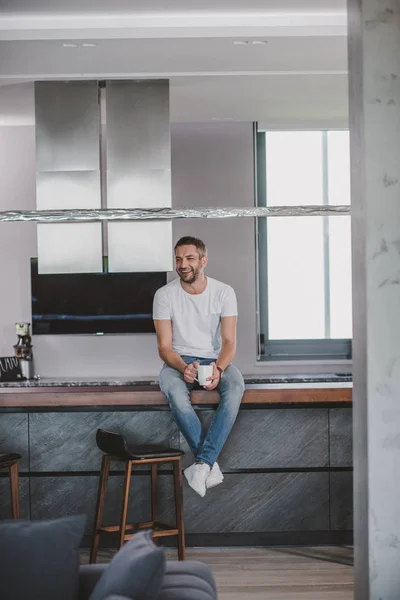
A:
[374, 67]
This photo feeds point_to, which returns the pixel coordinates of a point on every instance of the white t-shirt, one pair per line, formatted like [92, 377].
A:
[196, 318]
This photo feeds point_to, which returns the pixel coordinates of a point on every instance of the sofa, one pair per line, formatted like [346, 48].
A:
[40, 560]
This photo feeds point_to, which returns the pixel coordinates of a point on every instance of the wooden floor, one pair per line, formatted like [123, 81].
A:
[321, 573]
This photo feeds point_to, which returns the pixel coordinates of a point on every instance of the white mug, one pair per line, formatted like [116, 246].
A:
[203, 373]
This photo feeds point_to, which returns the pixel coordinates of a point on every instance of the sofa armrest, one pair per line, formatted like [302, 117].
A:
[188, 580]
[89, 575]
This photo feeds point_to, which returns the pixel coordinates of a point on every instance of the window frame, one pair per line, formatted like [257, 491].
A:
[296, 349]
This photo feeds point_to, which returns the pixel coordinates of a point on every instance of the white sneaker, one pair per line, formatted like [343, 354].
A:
[215, 477]
[196, 476]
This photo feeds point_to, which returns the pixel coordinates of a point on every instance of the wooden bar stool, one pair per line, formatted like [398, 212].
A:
[116, 448]
[10, 461]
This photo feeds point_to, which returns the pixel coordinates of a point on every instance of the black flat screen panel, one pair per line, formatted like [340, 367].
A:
[93, 303]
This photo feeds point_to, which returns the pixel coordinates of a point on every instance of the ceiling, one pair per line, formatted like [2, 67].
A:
[295, 73]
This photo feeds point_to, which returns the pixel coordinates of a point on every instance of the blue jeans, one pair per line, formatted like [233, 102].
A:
[206, 447]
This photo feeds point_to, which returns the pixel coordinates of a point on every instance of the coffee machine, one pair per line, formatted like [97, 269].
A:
[23, 349]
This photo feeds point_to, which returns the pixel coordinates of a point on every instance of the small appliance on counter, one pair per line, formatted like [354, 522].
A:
[23, 349]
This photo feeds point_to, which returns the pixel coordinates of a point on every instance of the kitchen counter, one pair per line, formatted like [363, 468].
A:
[287, 462]
[296, 389]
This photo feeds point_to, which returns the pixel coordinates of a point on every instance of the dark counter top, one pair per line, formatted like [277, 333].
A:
[250, 380]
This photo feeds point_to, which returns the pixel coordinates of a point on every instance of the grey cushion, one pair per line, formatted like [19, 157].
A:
[136, 571]
[46, 553]
[89, 575]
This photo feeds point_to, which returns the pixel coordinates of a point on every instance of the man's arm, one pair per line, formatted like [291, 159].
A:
[164, 343]
[228, 338]
[168, 355]
[228, 349]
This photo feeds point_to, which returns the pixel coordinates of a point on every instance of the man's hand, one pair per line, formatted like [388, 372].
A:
[214, 379]
[190, 373]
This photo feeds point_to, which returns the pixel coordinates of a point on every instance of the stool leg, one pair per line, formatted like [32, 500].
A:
[101, 496]
[154, 492]
[14, 483]
[179, 509]
[125, 498]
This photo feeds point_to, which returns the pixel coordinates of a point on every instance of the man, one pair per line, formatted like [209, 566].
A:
[195, 320]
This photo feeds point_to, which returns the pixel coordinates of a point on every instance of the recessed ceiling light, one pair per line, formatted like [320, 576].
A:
[70, 45]
[89, 45]
[259, 42]
[240, 42]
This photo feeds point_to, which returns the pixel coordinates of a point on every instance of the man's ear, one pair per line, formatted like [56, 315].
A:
[204, 261]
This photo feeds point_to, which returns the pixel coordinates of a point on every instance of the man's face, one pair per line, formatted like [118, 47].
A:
[188, 263]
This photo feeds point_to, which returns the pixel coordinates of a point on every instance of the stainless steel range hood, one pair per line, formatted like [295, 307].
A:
[135, 172]
[68, 174]
[138, 172]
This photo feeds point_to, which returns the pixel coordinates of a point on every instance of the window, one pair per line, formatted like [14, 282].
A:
[304, 263]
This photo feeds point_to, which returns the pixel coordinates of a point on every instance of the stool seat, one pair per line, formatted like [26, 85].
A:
[11, 456]
[116, 445]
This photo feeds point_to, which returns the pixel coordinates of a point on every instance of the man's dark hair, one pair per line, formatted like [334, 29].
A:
[188, 240]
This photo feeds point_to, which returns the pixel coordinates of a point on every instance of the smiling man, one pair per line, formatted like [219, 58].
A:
[195, 319]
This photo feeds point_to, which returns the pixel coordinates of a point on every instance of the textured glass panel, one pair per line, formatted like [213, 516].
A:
[294, 168]
[70, 248]
[140, 246]
[296, 278]
[140, 214]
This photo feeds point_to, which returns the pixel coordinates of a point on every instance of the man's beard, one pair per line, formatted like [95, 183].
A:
[190, 276]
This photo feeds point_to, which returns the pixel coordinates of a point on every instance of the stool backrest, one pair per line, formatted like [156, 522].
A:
[112, 443]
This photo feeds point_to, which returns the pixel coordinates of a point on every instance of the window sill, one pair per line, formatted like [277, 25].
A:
[292, 366]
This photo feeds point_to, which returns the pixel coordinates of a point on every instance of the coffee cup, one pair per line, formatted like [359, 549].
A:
[203, 373]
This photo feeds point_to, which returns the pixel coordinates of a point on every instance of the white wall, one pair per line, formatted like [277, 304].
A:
[17, 240]
[212, 165]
